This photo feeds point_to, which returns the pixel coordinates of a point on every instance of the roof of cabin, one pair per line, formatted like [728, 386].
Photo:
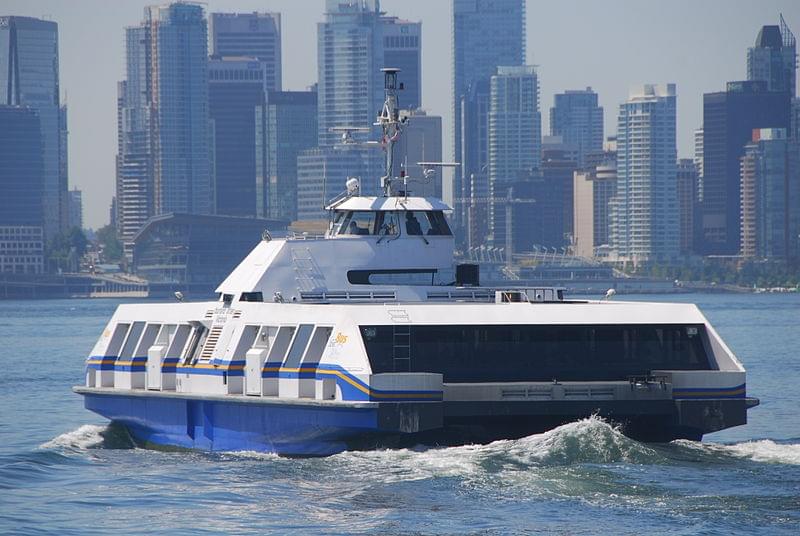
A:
[391, 203]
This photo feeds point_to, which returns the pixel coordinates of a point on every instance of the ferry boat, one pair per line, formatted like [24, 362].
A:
[370, 336]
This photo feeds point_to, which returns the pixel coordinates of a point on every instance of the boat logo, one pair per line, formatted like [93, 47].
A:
[341, 338]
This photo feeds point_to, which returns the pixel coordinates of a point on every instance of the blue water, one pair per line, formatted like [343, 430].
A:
[62, 471]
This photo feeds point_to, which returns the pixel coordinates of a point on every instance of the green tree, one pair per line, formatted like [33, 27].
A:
[110, 244]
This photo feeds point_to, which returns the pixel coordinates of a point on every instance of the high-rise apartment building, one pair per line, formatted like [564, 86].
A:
[474, 160]
[164, 160]
[236, 88]
[687, 203]
[578, 118]
[486, 34]
[698, 160]
[729, 118]
[251, 35]
[515, 139]
[770, 196]
[645, 224]
[594, 187]
[22, 181]
[773, 59]
[286, 125]
[402, 46]
[75, 208]
[559, 163]
[349, 60]
[29, 77]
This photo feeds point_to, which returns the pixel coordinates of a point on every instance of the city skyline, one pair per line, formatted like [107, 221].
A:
[695, 63]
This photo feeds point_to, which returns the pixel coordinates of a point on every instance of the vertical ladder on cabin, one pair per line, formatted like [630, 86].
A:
[307, 274]
[401, 347]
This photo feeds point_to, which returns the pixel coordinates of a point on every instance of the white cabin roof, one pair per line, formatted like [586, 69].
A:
[391, 203]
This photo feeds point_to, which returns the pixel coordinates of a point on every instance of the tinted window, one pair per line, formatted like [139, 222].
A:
[541, 353]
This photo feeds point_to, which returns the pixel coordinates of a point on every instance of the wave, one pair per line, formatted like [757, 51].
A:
[762, 450]
[91, 436]
[588, 441]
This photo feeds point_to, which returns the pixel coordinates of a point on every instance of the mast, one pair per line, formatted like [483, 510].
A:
[391, 125]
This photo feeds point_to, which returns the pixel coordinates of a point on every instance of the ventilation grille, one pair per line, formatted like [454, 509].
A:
[211, 343]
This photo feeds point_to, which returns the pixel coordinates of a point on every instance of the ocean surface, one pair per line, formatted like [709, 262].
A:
[63, 471]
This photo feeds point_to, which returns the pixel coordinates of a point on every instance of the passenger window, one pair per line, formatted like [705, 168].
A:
[178, 341]
[195, 344]
[249, 339]
[117, 339]
[299, 345]
[133, 338]
[317, 345]
[281, 345]
[149, 337]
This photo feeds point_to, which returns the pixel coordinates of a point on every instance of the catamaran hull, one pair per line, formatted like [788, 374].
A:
[305, 428]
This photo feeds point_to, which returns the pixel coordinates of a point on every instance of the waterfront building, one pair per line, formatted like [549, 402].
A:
[645, 224]
[559, 163]
[251, 35]
[75, 208]
[729, 118]
[195, 251]
[594, 187]
[486, 34]
[770, 196]
[323, 171]
[236, 89]
[402, 49]
[29, 77]
[164, 160]
[22, 183]
[286, 125]
[773, 58]
[515, 142]
[578, 119]
[687, 200]
[421, 141]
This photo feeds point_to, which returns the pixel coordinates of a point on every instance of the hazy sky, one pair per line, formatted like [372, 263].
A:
[609, 45]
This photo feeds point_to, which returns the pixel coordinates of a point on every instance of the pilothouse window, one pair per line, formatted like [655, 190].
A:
[428, 223]
[358, 223]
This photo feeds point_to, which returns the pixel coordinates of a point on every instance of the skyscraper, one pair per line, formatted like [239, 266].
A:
[236, 88]
[252, 35]
[645, 209]
[22, 186]
[402, 46]
[164, 162]
[286, 125]
[515, 139]
[729, 118]
[559, 163]
[578, 119]
[29, 77]
[75, 209]
[773, 59]
[594, 188]
[687, 200]
[349, 63]
[770, 196]
[486, 34]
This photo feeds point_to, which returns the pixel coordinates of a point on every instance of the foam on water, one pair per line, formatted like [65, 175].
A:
[764, 450]
[90, 436]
